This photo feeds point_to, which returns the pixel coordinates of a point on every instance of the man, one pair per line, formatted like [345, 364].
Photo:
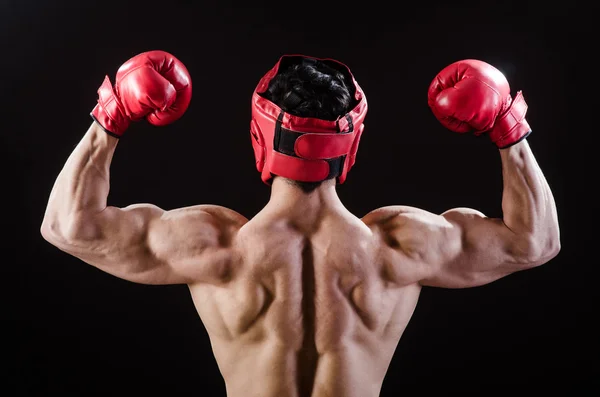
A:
[304, 299]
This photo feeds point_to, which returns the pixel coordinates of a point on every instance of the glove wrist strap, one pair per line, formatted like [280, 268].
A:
[108, 113]
[511, 128]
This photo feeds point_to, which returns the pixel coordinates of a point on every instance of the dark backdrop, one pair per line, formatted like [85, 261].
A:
[73, 330]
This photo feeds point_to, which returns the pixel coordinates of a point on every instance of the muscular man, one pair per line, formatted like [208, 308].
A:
[304, 299]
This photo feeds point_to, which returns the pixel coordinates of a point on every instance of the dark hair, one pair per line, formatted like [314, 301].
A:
[311, 88]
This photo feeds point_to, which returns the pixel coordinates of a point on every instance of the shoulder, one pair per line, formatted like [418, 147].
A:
[207, 213]
[202, 222]
[416, 232]
[398, 215]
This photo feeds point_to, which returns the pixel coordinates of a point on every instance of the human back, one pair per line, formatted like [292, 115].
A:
[312, 307]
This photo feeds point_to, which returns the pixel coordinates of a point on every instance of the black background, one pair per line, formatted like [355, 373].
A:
[73, 330]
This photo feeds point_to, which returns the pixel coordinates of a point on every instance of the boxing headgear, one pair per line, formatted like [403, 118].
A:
[304, 149]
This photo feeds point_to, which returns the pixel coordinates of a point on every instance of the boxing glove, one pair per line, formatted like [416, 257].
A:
[473, 96]
[153, 85]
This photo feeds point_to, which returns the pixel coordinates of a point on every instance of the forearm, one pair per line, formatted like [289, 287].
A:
[81, 188]
[528, 206]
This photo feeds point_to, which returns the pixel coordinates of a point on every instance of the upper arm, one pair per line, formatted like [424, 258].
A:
[459, 248]
[145, 244]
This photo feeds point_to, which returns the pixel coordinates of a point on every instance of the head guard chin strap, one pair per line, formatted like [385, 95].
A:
[304, 149]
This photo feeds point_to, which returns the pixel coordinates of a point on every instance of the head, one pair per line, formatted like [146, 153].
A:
[307, 121]
[313, 90]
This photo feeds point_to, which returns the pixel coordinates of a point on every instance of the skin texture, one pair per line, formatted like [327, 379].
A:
[304, 299]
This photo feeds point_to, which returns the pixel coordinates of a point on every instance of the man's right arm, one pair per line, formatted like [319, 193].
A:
[462, 247]
[469, 249]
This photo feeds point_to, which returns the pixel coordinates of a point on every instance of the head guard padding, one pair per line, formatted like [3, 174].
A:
[305, 149]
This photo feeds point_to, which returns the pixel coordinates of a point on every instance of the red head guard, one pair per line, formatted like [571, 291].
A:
[304, 149]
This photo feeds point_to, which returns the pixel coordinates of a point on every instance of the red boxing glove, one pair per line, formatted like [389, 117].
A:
[153, 84]
[473, 96]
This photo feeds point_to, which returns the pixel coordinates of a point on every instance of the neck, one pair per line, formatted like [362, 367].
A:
[303, 208]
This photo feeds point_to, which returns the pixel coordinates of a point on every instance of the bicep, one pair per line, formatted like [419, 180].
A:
[462, 248]
[485, 250]
[145, 244]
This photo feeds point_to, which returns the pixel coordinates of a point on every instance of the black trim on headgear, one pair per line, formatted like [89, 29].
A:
[284, 141]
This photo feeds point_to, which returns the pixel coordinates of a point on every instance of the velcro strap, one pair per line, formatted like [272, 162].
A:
[515, 115]
[323, 146]
[109, 110]
[298, 169]
[511, 127]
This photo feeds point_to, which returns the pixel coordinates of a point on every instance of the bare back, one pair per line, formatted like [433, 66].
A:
[305, 299]
[314, 313]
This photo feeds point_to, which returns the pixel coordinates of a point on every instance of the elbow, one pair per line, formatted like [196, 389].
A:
[551, 244]
[67, 232]
[50, 231]
[536, 250]
[547, 251]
